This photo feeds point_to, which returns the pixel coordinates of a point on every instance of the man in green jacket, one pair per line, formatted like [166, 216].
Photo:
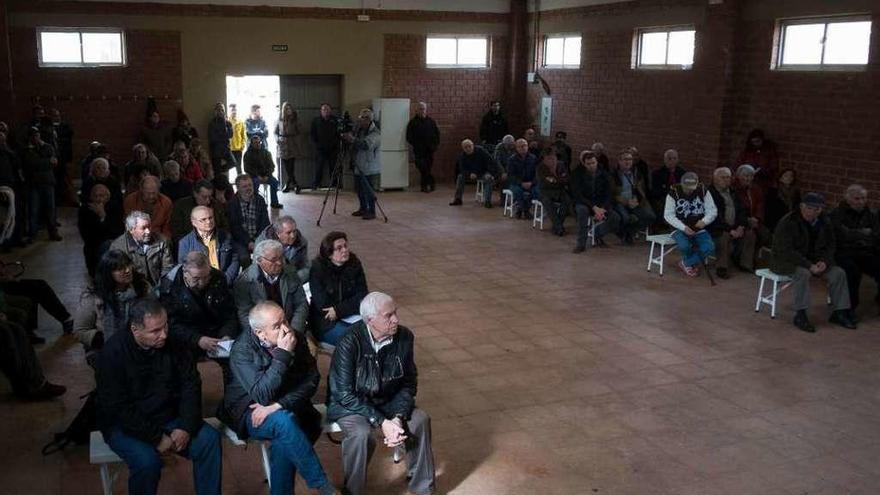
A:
[803, 248]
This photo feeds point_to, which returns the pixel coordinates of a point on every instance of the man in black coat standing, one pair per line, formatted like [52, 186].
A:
[325, 137]
[493, 126]
[424, 137]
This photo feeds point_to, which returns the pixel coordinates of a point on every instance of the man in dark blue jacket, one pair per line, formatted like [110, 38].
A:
[591, 190]
[521, 168]
[149, 403]
[477, 164]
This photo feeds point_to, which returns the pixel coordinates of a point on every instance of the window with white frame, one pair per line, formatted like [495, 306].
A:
[818, 43]
[81, 47]
[665, 48]
[562, 51]
[457, 51]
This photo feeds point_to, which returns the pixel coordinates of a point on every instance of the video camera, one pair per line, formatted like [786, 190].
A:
[345, 124]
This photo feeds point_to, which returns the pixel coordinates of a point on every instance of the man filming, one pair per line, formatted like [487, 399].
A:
[364, 140]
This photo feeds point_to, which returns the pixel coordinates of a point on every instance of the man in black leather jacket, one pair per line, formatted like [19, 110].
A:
[372, 385]
[269, 398]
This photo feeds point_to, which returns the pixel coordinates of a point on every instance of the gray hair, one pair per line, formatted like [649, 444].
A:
[466, 141]
[195, 260]
[670, 152]
[266, 245]
[722, 171]
[855, 189]
[150, 178]
[279, 222]
[96, 162]
[508, 139]
[371, 303]
[170, 165]
[745, 169]
[134, 217]
[256, 317]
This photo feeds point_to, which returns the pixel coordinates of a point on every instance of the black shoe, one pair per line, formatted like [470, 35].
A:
[579, 249]
[368, 216]
[802, 322]
[357, 213]
[487, 205]
[47, 391]
[296, 189]
[722, 273]
[67, 327]
[433, 186]
[315, 187]
[55, 237]
[455, 202]
[278, 206]
[841, 318]
[35, 339]
[601, 243]
[287, 188]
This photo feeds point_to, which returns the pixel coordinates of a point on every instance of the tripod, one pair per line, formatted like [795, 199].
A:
[336, 181]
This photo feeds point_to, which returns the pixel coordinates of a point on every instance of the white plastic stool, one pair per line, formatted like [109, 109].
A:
[659, 241]
[538, 219]
[508, 203]
[591, 233]
[266, 192]
[480, 194]
[770, 298]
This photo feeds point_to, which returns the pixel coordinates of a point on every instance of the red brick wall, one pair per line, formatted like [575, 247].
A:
[456, 98]
[105, 104]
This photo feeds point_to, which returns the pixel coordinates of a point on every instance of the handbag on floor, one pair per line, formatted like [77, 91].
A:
[79, 430]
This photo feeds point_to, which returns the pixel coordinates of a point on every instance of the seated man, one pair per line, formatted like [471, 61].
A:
[148, 200]
[215, 243]
[752, 198]
[504, 150]
[149, 403]
[563, 150]
[689, 209]
[552, 191]
[258, 164]
[664, 178]
[475, 163]
[174, 186]
[857, 232]
[199, 304]
[150, 252]
[631, 198]
[729, 226]
[271, 279]
[521, 168]
[378, 347]
[202, 195]
[295, 244]
[268, 397]
[803, 248]
[591, 191]
[248, 217]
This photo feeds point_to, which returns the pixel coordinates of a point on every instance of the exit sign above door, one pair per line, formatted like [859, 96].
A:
[279, 48]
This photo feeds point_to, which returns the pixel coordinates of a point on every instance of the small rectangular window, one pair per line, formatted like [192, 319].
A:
[665, 48]
[819, 43]
[80, 47]
[457, 51]
[562, 51]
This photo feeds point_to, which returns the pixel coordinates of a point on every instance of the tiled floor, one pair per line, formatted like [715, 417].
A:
[545, 372]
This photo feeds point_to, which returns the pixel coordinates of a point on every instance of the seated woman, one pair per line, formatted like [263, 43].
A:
[190, 168]
[100, 221]
[173, 185]
[782, 199]
[103, 309]
[337, 283]
[552, 191]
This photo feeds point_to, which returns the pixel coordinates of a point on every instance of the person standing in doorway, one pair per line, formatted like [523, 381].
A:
[287, 133]
[325, 136]
[424, 137]
[239, 138]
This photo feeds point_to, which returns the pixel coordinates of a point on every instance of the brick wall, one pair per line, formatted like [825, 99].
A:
[105, 104]
[456, 98]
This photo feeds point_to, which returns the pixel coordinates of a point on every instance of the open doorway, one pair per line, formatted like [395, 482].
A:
[246, 91]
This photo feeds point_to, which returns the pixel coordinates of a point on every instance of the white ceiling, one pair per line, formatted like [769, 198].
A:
[498, 6]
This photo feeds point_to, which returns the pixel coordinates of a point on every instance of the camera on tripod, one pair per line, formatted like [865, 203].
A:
[345, 124]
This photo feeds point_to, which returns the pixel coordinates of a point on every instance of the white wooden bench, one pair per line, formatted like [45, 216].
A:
[508, 203]
[538, 214]
[660, 241]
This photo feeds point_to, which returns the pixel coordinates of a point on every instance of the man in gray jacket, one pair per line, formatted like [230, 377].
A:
[364, 143]
[294, 243]
[270, 278]
[150, 252]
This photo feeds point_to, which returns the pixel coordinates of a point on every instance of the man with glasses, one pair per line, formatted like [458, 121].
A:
[271, 278]
[216, 244]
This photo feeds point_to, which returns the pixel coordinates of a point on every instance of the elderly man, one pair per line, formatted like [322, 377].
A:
[215, 243]
[476, 164]
[258, 164]
[149, 401]
[803, 248]
[689, 210]
[857, 232]
[173, 185]
[366, 161]
[248, 217]
[199, 303]
[269, 398]
[494, 125]
[148, 200]
[294, 243]
[271, 279]
[150, 252]
[39, 160]
[631, 198]
[504, 150]
[729, 226]
[752, 198]
[378, 347]
[423, 135]
[202, 195]
[521, 169]
[664, 178]
[591, 191]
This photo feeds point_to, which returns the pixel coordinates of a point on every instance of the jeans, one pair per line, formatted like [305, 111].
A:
[635, 219]
[145, 464]
[42, 206]
[366, 190]
[273, 188]
[704, 247]
[291, 452]
[488, 184]
[521, 197]
[584, 213]
[323, 159]
[335, 332]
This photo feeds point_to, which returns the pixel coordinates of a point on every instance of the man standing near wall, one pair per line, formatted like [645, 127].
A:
[494, 125]
[424, 137]
[325, 136]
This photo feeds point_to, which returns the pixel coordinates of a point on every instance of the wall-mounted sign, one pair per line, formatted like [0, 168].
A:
[279, 48]
[546, 115]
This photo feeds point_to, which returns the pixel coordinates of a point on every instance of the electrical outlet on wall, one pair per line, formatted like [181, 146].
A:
[363, 18]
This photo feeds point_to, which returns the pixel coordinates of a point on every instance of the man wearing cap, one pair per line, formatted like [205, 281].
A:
[689, 209]
[803, 248]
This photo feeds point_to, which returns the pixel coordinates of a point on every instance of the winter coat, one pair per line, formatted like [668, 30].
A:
[324, 133]
[219, 136]
[848, 225]
[480, 162]
[193, 316]
[741, 215]
[493, 127]
[258, 162]
[236, 219]
[296, 255]
[366, 158]
[250, 289]
[152, 264]
[422, 134]
[590, 189]
[37, 166]
[341, 287]
[287, 134]
[226, 254]
[791, 244]
[160, 216]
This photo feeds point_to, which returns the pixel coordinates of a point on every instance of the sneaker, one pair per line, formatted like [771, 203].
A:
[455, 202]
[802, 322]
[47, 391]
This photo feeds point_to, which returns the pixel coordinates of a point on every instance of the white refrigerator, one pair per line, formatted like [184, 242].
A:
[392, 114]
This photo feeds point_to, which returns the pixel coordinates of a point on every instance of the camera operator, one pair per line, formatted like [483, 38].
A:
[325, 136]
[364, 140]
